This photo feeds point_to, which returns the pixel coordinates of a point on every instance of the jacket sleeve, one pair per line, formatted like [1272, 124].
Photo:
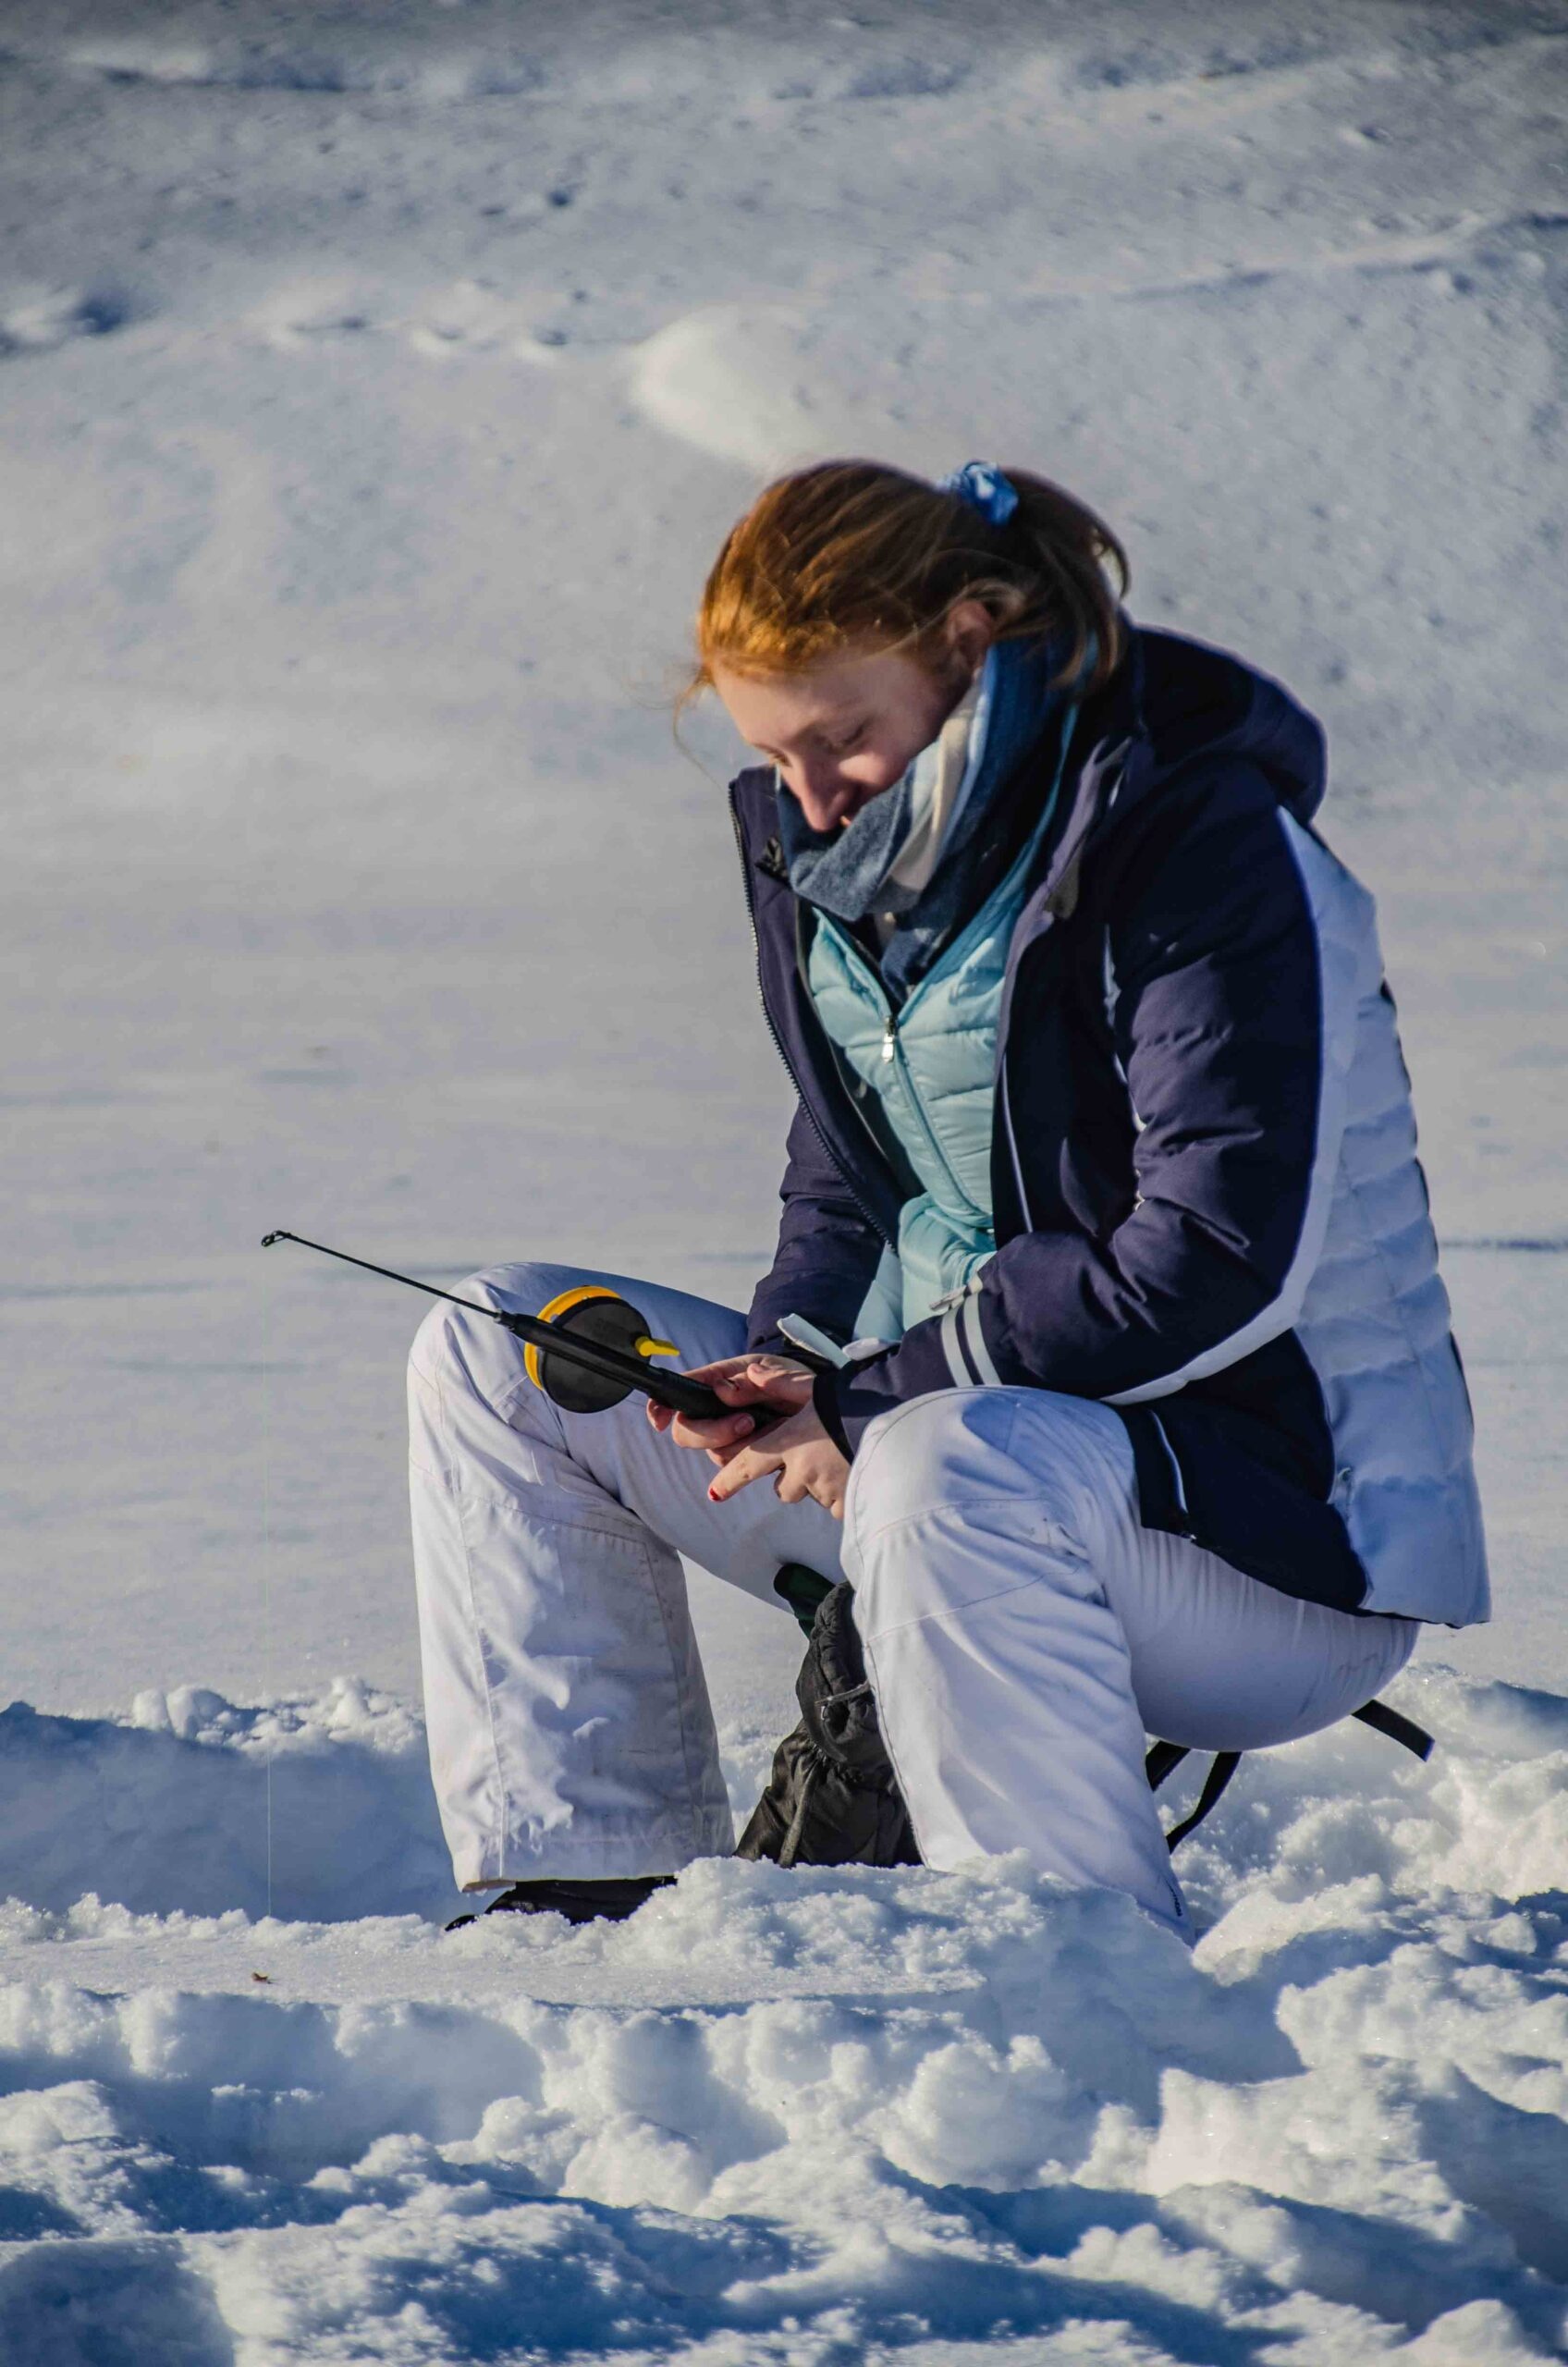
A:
[1231, 952]
[827, 1249]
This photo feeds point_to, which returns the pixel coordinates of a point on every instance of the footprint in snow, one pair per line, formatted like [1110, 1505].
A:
[467, 318]
[39, 323]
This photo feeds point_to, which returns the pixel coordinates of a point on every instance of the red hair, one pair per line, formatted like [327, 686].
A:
[853, 554]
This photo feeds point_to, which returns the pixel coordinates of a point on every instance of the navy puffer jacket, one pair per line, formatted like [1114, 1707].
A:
[1208, 1211]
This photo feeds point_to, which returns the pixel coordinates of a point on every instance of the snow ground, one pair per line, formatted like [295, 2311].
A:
[377, 380]
[800, 2117]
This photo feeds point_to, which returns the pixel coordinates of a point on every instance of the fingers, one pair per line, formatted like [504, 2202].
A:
[803, 1479]
[716, 1435]
[739, 1470]
[740, 1463]
[723, 1369]
[766, 1382]
[761, 1384]
[688, 1430]
[808, 1468]
[799, 1481]
[775, 1383]
[742, 1379]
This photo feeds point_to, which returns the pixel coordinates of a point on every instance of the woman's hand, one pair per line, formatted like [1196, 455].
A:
[797, 1450]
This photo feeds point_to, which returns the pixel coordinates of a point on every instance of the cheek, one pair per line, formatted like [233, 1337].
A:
[878, 768]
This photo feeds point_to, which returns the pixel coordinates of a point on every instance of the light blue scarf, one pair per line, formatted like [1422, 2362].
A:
[844, 871]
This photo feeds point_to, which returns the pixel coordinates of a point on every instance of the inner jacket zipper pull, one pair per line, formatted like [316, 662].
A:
[889, 1038]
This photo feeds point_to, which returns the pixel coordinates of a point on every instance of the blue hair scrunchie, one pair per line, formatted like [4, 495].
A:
[982, 485]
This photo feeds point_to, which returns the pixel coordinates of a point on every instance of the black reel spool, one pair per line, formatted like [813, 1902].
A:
[596, 1314]
[601, 1319]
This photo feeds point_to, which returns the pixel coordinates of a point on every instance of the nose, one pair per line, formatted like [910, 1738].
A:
[822, 794]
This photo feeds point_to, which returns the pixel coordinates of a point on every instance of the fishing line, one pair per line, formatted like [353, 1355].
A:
[586, 1350]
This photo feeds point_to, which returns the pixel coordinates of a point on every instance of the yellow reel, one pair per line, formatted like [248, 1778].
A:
[592, 1312]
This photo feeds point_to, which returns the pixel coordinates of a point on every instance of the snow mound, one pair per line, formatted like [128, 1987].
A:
[179, 1807]
[815, 2116]
[731, 379]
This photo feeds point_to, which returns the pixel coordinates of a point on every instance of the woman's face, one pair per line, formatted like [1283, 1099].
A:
[849, 729]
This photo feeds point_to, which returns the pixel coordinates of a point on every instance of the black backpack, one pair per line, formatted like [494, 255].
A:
[832, 1798]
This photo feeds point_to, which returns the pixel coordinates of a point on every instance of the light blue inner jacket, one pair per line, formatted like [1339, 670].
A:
[931, 1065]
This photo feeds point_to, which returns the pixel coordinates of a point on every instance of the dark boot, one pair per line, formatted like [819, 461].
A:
[608, 1901]
[832, 1798]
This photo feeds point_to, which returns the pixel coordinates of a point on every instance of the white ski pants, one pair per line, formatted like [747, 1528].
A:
[1022, 1633]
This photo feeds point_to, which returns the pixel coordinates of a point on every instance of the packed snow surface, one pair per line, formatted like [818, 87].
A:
[809, 2116]
[377, 380]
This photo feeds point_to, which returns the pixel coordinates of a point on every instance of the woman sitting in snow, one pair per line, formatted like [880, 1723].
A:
[1102, 1190]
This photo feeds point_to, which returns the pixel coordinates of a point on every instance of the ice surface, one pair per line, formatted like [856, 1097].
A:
[377, 382]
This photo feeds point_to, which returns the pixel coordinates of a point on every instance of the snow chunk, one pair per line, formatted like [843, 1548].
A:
[731, 380]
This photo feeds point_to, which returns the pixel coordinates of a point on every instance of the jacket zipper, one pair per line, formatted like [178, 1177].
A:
[773, 1031]
[893, 1052]
[892, 1048]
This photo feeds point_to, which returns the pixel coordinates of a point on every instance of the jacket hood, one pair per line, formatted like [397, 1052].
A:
[1193, 702]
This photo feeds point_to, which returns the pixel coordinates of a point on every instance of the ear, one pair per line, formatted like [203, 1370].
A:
[968, 631]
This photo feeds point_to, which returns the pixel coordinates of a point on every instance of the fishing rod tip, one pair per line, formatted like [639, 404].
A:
[268, 1238]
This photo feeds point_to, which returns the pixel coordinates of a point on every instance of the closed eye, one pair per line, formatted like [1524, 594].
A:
[828, 747]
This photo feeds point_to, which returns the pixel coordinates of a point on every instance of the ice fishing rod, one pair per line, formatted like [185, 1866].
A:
[587, 1350]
